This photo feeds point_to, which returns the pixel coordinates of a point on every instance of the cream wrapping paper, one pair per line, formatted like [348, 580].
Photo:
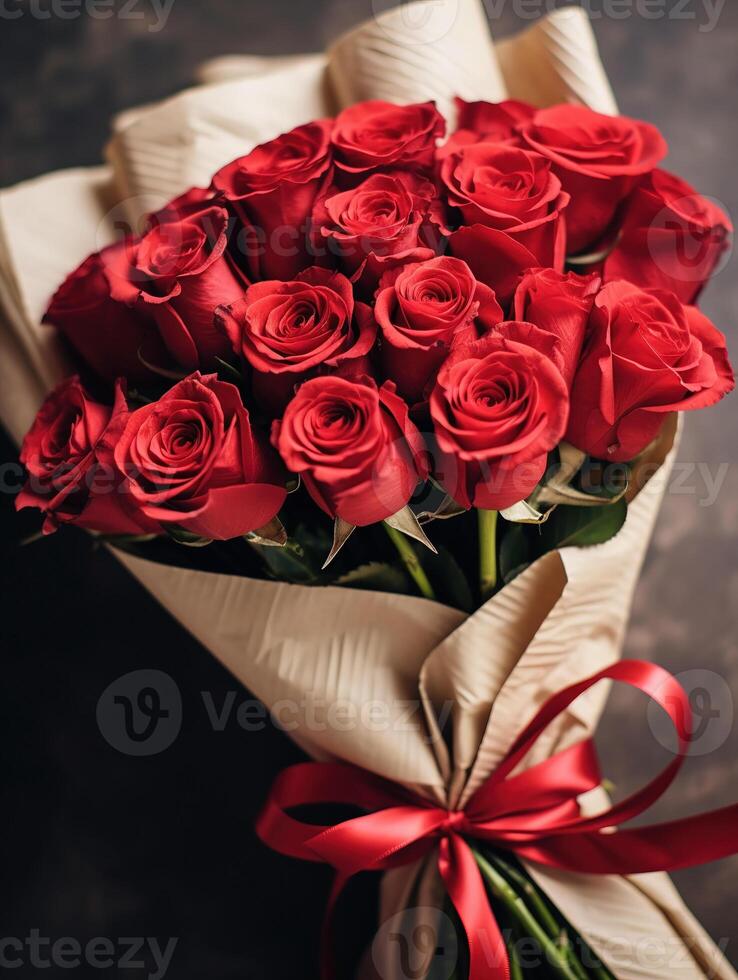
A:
[367, 677]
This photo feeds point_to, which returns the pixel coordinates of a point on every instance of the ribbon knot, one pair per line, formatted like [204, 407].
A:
[534, 813]
[455, 822]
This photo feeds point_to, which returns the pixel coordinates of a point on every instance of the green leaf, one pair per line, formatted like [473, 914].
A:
[230, 371]
[138, 397]
[603, 479]
[582, 526]
[449, 582]
[32, 539]
[187, 538]
[377, 576]
[299, 561]
[171, 374]
[289, 564]
[515, 549]
[568, 526]
[124, 540]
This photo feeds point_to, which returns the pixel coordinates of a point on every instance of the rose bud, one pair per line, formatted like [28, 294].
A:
[671, 238]
[645, 355]
[422, 309]
[488, 122]
[354, 446]
[510, 190]
[192, 460]
[68, 454]
[383, 222]
[272, 190]
[598, 159]
[375, 134]
[498, 408]
[107, 335]
[178, 273]
[287, 331]
[559, 303]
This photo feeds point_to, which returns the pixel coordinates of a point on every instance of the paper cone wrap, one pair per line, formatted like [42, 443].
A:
[369, 677]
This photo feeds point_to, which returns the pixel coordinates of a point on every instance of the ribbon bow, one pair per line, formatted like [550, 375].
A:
[534, 813]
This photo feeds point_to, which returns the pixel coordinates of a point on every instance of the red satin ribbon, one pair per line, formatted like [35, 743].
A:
[534, 813]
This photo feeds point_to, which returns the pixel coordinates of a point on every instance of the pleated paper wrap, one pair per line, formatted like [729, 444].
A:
[306, 649]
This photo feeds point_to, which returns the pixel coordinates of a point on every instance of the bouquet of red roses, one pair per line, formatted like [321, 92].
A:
[364, 327]
[373, 357]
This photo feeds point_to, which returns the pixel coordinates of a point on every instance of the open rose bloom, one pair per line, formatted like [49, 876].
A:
[379, 397]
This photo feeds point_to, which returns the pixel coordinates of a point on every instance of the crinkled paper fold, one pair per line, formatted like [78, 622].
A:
[368, 677]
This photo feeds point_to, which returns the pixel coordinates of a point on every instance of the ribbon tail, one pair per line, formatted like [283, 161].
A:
[327, 935]
[661, 847]
[463, 880]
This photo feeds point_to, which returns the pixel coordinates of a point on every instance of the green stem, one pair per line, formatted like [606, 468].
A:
[411, 561]
[528, 890]
[564, 942]
[516, 967]
[501, 889]
[529, 893]
[487, 552]
[601, 972]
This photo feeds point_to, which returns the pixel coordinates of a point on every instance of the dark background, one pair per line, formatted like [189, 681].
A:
[97, 843]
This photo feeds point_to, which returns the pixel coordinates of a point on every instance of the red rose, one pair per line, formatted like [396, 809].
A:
[192, 460]
[496, 258]
[357, 451]
[287, 330]
[376, 134]
[499, 406]
[178, 273]
[68, 454]
[560, 304]
[645, 355]
[489, 122]
[272, 190]
[598, 159]
[422, 309]
[671, 238]
[380, 223]
[497, 121]
[183, 206]
[510, 190]
[106, 334]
